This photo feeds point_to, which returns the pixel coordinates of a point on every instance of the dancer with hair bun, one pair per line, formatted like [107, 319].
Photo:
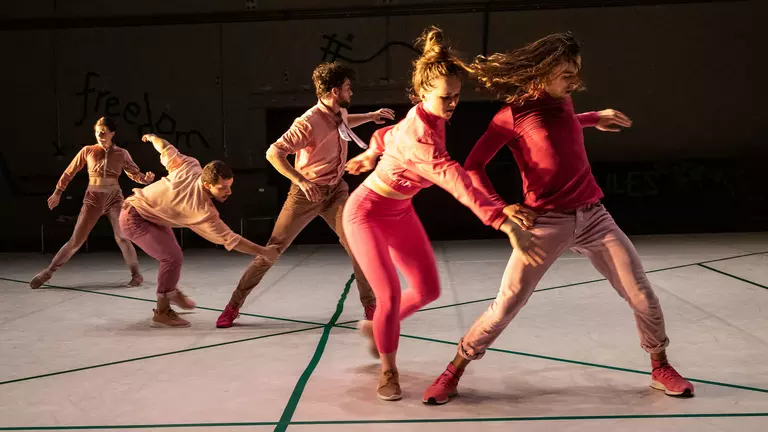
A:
[382, 227]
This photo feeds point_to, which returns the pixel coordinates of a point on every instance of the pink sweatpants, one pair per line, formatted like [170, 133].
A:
[98, 201]
[384, 233]
[592, 232]
[159, 243]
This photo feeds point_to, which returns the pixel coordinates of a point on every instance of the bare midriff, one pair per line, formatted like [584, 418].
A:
[102, 181]
[374, 183]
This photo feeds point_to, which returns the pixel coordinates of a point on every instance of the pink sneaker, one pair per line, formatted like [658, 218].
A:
[666, 378]
[228, 317]
[445, 386]
[369, 310]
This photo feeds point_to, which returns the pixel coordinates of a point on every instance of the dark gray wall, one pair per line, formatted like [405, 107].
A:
[687, 74]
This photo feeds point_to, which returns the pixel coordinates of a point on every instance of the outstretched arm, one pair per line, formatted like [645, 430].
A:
[216, 231]
[171, 158]
[608, 120]
[159, 143]
[133, 172]
[449, 175]
[379, 116]
[366, 160]
[437, 166]
[74, 167]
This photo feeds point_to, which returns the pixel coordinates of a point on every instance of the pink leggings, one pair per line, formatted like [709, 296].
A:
[384, 233]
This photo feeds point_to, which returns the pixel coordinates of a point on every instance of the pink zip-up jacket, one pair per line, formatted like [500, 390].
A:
[102, 163]
[413, 157]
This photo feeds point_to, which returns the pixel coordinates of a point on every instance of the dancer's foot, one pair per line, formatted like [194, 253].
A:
[228, 317]
[445, 386]
[136, 280]
[41, 278]
[182, 301]
[366, 330]
[666, 379]
[168, 318]
[389, 386]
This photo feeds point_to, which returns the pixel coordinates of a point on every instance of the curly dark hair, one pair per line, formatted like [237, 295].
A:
[437, 60]
[519, 75]
[328, 76]
[216, 170]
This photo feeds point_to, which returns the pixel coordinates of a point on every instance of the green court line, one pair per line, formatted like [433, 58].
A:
[577, 362]
[46, 286]
[422, 310]
[733, 276]
[492, 298]
[604, 279]
[581, 363]
[346, 323]
[400, 421]
[734, 257]
[293, 402]
[524, 419]
[147, 426]
[157, 355]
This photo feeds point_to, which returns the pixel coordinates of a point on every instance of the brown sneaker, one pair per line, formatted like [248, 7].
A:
[389, 386]
[366, 330]
[41, 278]
[169, 318]
[182, 301]
[136, 280]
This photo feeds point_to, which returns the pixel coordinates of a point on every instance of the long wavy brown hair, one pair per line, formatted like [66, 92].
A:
[437, 60]
[520, 75]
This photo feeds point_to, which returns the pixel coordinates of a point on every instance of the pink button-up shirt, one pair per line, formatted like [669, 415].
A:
[320, 151]
[102, 163]
[180, 200]
[414, 157]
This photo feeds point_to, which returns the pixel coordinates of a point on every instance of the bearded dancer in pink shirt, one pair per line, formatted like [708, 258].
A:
[103, 197]
[319, 140]
[561, 206]
[382, 227]
[181, 199]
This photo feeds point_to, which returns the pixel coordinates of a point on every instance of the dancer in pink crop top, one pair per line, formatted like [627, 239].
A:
[382, 228]
[103, 197]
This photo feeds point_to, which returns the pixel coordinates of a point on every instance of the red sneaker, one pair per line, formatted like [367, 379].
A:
[445, 386]
[227, 317]
[666, 378]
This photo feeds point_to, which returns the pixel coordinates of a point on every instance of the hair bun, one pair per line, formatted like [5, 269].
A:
[432, 38]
